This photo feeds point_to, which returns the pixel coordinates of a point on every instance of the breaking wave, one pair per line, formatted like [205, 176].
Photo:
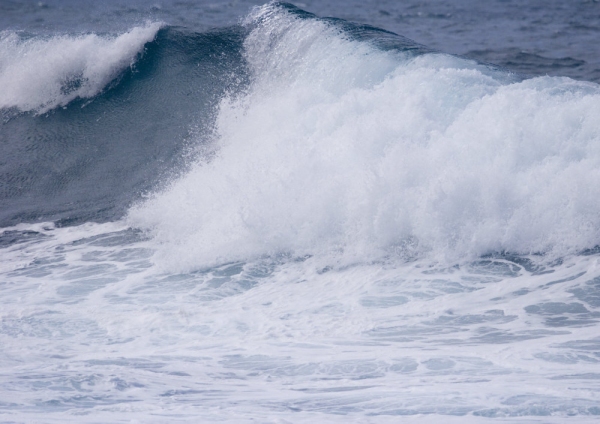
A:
[341, 147]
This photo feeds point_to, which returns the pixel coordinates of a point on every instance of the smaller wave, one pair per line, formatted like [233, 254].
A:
[39, 74]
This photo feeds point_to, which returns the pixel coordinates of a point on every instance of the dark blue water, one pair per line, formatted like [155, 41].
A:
[537, 37]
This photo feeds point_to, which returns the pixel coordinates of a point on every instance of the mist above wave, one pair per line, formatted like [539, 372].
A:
[40, 73]
[342, 149]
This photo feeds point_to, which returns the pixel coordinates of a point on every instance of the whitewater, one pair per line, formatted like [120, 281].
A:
[293, 219]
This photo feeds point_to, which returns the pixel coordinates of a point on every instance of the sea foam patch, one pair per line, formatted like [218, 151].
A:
[92, 328]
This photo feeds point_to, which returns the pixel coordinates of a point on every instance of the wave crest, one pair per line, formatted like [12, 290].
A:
[39, 74]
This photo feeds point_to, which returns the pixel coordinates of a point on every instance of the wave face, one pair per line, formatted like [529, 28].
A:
[339, 147]
[94, 121]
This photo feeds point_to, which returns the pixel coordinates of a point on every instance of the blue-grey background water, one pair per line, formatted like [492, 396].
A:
[328, 211]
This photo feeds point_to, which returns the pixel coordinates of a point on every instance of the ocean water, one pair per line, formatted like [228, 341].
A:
[251, 212]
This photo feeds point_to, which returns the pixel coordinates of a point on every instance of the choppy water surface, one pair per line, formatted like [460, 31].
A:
[91, 332]
[286, 218]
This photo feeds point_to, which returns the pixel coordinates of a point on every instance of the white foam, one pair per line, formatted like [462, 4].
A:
[90, 329]
[343, 151]
[39, 74]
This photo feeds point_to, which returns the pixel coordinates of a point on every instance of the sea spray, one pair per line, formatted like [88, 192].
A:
[346, 152]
